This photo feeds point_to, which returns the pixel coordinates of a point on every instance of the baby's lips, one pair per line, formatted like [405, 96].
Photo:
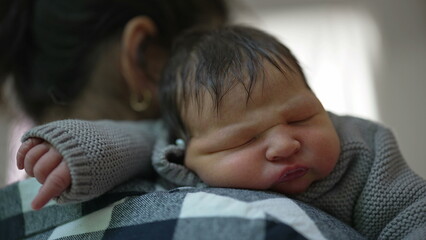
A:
[294, 173]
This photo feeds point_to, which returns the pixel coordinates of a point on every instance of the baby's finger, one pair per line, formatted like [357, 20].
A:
[33, 155]
[23, 150]
[46, 164]
[56, 183]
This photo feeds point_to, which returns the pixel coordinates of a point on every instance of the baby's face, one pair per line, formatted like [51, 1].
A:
[282, 139]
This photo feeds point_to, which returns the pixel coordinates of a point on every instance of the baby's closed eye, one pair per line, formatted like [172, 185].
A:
[245, 142]
[303, 119]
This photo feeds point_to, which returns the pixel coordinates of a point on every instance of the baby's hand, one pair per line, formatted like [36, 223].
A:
[42, 161]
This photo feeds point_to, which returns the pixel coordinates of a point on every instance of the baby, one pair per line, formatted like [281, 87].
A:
[239, 101]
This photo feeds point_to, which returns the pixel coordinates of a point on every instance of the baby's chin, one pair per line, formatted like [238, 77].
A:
[290, 188]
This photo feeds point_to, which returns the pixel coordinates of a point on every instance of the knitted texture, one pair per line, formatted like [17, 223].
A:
[371, 188]
[99, 154]
[174, 173]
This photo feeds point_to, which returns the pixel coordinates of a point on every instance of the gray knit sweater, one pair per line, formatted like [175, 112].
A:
[371, 188]
[100, 154]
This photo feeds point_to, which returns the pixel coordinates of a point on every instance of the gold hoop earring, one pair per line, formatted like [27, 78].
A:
[140, 102]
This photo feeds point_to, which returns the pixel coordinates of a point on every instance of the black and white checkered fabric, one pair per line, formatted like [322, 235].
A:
[139, 210]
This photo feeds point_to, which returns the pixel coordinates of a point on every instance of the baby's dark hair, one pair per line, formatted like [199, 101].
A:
[214, 61]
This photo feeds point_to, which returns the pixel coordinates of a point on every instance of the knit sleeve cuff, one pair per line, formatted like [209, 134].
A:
[74, 155]
[99, 154]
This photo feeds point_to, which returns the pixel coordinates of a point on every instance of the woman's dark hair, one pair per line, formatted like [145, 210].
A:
[46, 44]
[214, 61]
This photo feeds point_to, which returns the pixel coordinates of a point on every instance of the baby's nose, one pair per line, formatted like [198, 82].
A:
[281, 145]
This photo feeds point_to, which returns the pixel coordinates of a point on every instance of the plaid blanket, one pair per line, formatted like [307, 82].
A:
[140, 210]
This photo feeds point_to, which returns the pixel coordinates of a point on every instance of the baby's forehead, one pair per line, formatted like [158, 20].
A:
[239, 82]
[204, 111]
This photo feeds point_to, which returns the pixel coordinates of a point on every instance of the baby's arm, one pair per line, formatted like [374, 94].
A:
[42, 161]
[99, 154]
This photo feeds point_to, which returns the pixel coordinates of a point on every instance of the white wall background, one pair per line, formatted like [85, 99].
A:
[364, 57]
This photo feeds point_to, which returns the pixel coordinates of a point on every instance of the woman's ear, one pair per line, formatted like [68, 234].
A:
[136, 32]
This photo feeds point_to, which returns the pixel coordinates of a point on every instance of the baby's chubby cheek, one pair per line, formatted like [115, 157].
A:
[214, 172]
[330, 156]
[206, 172]
[196, 164]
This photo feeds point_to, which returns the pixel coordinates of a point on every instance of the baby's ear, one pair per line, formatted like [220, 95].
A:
[136, 33]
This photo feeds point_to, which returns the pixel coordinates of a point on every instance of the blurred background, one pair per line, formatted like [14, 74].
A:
[364, 58]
